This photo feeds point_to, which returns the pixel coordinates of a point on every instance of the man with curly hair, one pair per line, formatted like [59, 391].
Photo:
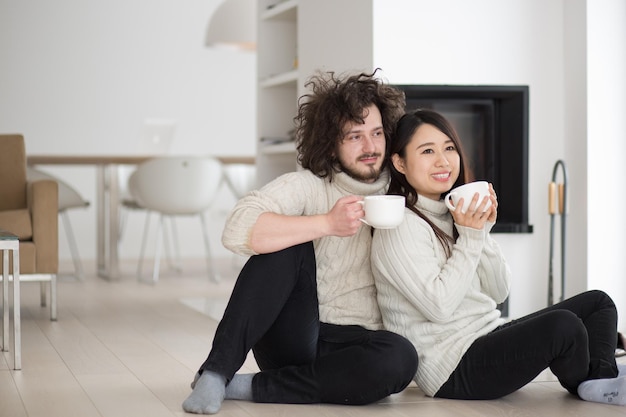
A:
[305, 302]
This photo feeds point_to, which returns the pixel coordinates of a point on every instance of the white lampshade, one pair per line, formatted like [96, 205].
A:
[233, 25]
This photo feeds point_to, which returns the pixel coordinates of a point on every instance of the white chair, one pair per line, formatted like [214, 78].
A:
[155, 140]
[69, 199]
[176, 186]
[241, 178]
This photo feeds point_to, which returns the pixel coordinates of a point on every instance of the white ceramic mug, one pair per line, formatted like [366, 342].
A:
[383, 211]
[466, 192]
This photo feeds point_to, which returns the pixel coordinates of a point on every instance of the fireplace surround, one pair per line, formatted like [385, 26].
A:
[492, 122]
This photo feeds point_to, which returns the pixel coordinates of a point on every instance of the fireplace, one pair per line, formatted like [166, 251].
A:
[492, 122]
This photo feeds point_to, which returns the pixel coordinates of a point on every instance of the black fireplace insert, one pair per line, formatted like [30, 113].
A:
[492, 122]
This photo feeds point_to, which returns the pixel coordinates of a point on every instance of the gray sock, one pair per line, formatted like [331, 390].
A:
[607, 391]
[207, 395]
[195, 379]
[240, 387]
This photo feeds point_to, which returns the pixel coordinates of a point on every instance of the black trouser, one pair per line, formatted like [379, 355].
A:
[576, 338]
[273, 310]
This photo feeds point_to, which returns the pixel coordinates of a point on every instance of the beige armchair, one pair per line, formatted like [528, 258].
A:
[30, 211]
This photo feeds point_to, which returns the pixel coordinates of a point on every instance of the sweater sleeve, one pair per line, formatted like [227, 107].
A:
[493, 271]
[411, 259]
[288, 195]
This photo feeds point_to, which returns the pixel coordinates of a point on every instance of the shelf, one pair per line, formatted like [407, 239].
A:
[280, 79]
[295, 39]
[285, 9]
[289, 147]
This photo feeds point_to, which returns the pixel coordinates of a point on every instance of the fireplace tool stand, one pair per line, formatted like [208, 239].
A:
[557, 190]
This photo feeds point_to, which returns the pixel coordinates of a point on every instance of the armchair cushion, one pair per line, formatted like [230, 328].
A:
[17, 222]
[43, 201]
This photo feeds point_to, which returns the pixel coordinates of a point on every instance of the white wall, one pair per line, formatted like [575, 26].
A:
[606, 138]
[80, 77]
[541, 44]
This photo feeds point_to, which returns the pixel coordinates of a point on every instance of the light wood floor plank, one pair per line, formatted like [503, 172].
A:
[10, 400]
[123, 395]
[80, 349]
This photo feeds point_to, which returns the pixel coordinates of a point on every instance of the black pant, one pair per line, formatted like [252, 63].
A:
[575, 338]
[273, 310]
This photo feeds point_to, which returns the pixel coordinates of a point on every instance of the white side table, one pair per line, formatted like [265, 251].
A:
[9, 242]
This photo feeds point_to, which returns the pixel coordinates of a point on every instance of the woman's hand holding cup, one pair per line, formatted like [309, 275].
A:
[473, 204]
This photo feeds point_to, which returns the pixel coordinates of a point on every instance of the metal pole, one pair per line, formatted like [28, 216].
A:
[557, 191]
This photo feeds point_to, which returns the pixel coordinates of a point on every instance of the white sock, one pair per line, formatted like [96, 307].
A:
[240, 387]
[207, 395]
[607, 391]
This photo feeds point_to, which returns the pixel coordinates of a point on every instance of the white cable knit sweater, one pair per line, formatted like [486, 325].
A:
[345, 284]
[440, 304]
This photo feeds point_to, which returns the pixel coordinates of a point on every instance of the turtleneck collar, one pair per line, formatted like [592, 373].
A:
[356, 187]
[434, 207]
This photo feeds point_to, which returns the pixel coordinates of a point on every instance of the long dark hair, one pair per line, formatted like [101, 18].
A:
[405, 129]
[334, 101]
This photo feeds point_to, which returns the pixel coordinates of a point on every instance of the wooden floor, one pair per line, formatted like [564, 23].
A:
[131, 349]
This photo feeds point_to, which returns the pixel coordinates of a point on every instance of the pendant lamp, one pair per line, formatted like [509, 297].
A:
[233, 25]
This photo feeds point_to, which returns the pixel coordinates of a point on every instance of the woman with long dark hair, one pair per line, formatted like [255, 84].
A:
[440, 276]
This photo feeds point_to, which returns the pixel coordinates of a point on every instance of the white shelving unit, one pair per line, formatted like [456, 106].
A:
[295, 39]
[277, 94]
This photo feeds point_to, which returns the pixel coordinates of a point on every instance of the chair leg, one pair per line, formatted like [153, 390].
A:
[5, 300]
[157, 253]
[205, 234]
[121, 224]
[17, 315]
[53, 297]
[171, 245]
[42, 293]
[143, 245]
[177, 264]
[71, 240]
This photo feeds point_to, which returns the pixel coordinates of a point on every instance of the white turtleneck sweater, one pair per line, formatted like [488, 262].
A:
[442, 305]
[345, 285]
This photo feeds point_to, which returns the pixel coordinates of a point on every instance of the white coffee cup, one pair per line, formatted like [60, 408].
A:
[467, 192]
[383, 211]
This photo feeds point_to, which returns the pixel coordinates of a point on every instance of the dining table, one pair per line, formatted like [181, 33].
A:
[108, 199]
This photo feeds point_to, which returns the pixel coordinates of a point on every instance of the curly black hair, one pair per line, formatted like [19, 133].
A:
[334, 101]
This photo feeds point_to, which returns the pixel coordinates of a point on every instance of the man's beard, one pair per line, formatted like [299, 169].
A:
[370, 174]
